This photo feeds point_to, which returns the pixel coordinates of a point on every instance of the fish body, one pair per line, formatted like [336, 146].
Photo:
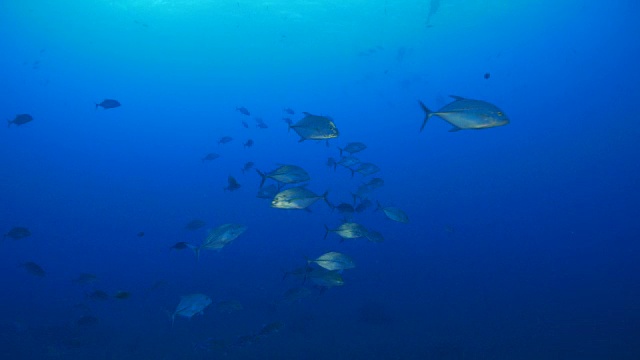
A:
[248, 144]
[348, 230]
[33, 269]
[334, 261]
[190, 305]
[195, 224]
[247, 166]
[314, 127]
[285, 174]
[243, 110]
[365, 169]
[210, 156]
[232, 184]
[222, 236]
[17, 233]
[468, 114]
[108, 104]
[374, 236]
[289, 111]
[225, 140]
[296, 198]
[326, 278]
[394, 213]
[20, 119]
[353, 148]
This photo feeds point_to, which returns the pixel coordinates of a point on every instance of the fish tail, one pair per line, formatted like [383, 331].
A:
[341, 149]
[427, 114]
[263, 176]
[97, 105]
[325, 196]
[326, 231]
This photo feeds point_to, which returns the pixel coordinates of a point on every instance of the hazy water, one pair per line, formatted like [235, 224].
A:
[522, 241]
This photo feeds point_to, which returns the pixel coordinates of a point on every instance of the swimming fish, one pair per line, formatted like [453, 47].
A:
[108, 104]
[190, 305]
[467, 114]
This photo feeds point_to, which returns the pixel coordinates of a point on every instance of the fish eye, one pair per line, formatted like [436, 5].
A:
[500, 113]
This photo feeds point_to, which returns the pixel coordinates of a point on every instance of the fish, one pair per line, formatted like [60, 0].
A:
[229, 306]
[18, 233]
[232, 184]
[20, 119]
[365, 169]
[487, 76]
[297, 198]
[334, 261]
[247, 166]
[33, 269]
[285, 174]
[108, 104]
[245, 125]
[300, 272]
[289, 111]
[363, 205]
[194, 224]
[352, 148]
[262, 125]
[248, 144]
[122, 295]
[295, 294]
[344, 208]
[467, 114]
[243, 110]
[331, 162]
[210, 156]
[348, 161]
[348, 230]
[221, 236]
[393, 213]
[85, 279]
[181, 245]
[267, 192]
[98, 295]
[315, 127]
[190, 305]
[374, 236]
[326, 278]
[224, 140]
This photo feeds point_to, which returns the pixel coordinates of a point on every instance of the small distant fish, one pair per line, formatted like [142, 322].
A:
[98, 295]
[20, 119]
[467, 114]
[363, 205]
[365, 169]
[33, 269]
[210, 156]
[87, 320]
[232, 184]
[348, 161]
[247, 166]
[182, 245]
[245, 125]
[261, 124]
[287, 121]
[394, 213]
[243, 110]
[295, 294]
[267, 192]
[225, 139]
[140, 234]
[487, 76]
[289, 111]
[122, 295]
[374, 236]
[195, 224]
[344, 208]
[270, 328]
[331, 162]
[108, 104]
[17, 233]
[353, 148]
[85, 279]
[248, 144]
[229, 306]
[315, 127]
[221, 236]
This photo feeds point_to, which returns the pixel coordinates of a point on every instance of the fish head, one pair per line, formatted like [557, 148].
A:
[496, 118]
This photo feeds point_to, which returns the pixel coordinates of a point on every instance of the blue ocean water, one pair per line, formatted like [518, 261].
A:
[522, 241]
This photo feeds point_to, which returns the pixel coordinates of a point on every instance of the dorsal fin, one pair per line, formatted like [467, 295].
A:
[456, 97]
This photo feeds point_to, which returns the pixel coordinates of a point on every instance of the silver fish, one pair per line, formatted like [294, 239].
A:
[334, 261]
[296, 198]
[467, 114]
[285, 174]
[190, 305]
[314, 127]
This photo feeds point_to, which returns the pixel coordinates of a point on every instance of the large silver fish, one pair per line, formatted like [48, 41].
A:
[314, 127]
[221, 236]
[467, 114]
[285, 174]
[334, 261]
[296, 198]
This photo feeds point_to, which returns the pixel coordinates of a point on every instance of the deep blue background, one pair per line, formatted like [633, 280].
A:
[522, 241]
